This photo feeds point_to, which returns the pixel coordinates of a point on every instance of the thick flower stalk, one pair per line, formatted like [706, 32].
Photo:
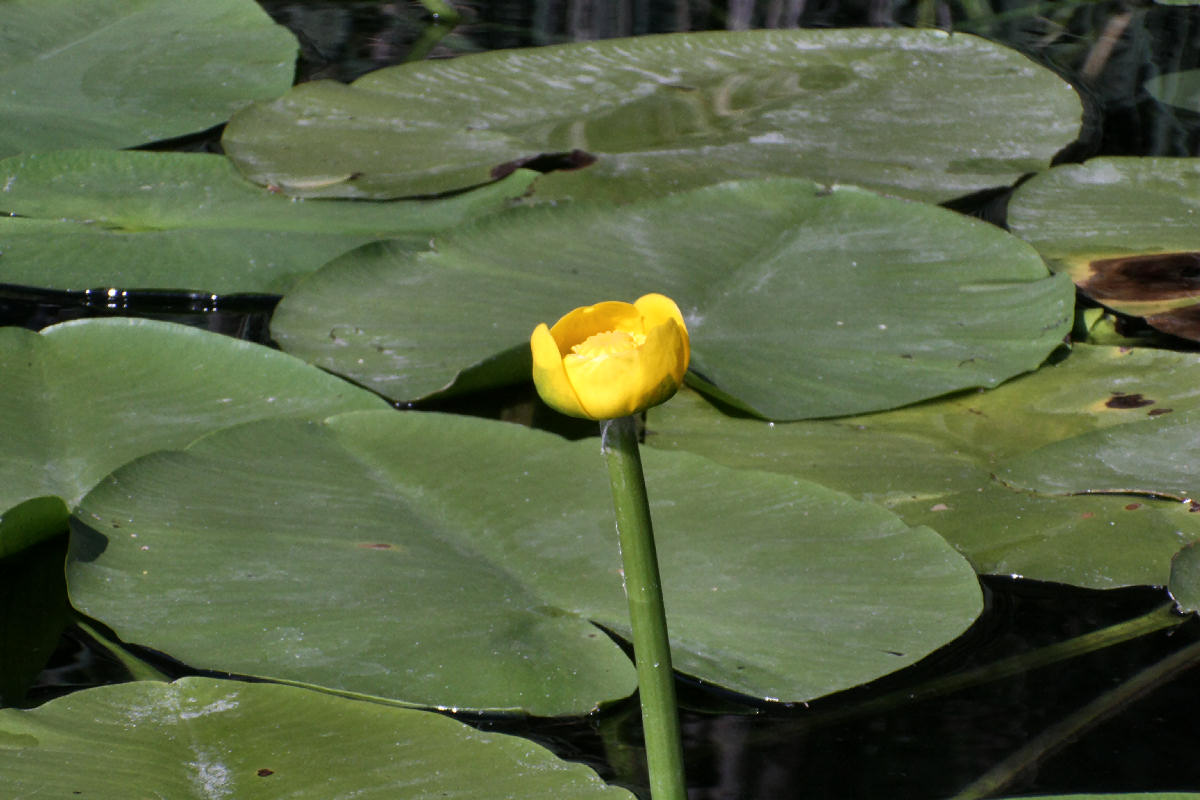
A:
[612, 359]
[607, 362]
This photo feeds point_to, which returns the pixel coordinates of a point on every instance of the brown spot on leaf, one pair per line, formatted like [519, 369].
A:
[1133, 506]
[1157, 276]
[1087, 515]
[1154, 412]
[376, 546]
[1182, 322]
[264, 772]
[545, 162]
[1122, 400]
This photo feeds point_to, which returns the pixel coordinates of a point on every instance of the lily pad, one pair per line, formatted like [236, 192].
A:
[1127, 231]
[801, 301]
[1153, 456]
[1185, 579]
[450, 561]
[139, 220]
[669, 112]
[934, 464]
[1180, 89]
[204, 739]
[82, 398]
[114, 73]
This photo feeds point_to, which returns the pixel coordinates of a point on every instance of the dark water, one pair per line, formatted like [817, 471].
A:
[836, 747]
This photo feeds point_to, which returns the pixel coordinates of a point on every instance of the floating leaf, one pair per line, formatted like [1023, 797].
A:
[663, 113]
[82, 398]
[111, 73]
[933, 464]
[1127, 231]
[800, 301]
[1184, 584]
[1180, 89]
[449, 561]
[138, 220]
[204, 739]
[1154, 456]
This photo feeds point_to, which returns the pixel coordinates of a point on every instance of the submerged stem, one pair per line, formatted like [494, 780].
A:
[1074, 724]
[647, 614]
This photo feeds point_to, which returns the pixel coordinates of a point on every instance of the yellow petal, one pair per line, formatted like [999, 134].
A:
[550, 376]
[663, 363]
[576, 326]
[611, 359]
[657, 309]
[609, 386]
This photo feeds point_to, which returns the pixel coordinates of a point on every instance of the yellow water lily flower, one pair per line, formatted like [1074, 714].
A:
[611, 359]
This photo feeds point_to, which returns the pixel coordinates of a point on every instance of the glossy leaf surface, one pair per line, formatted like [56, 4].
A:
[201, 739]
[800, 301]
[448, 561]
[935, 464]
[119, 73]
[820, 104]
[84, 397]
[1127, 231]
[140, 220]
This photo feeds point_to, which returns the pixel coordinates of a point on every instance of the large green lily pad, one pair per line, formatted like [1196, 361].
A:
[935, 464]
[450, 561]
[211, 739]
[893, 109]
[1127, 231]
[119, 73]
[800, 301]
[82, 398]
[139, 220]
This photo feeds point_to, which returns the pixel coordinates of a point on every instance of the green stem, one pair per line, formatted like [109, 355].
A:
[647, 614]
[1076, 723]
[1160, 618]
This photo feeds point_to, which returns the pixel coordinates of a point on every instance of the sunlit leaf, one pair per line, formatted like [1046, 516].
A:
[889, 108]
[935, 464]
[201, 739]
[116, 73]
[449, 561]
[1127, 231]
[800, 301]
[82, 398]
[139, 220]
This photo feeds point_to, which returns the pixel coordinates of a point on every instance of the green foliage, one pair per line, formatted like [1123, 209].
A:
[800, 301]
[238, 510]
[304, 548]
[202, 738]
[821, 104]
[120, 73]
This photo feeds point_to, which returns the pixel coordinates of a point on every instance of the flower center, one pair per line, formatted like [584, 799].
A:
[608, 343]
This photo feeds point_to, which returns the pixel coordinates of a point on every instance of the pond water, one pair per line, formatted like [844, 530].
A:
[871, 741]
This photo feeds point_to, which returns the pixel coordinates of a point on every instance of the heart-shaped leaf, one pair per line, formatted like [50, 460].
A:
[450, 561]
[892, 109]
[800, 301]
[82, 398]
